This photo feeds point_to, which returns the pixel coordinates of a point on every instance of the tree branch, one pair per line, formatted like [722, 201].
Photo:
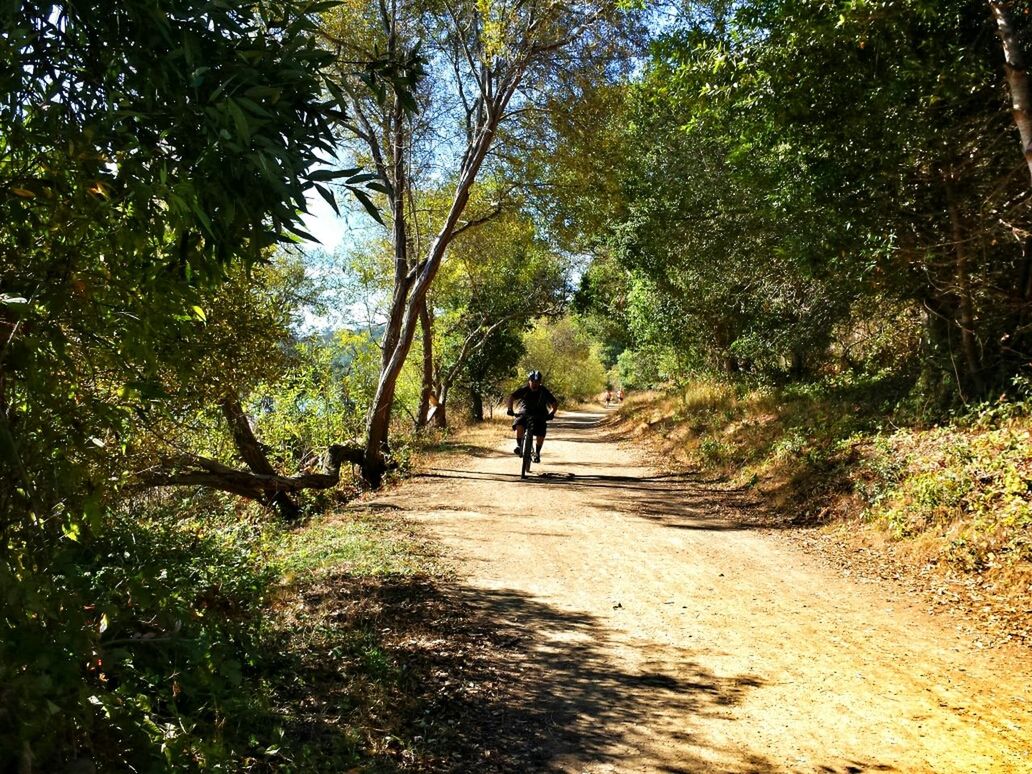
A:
[494, 213]
[192, 470]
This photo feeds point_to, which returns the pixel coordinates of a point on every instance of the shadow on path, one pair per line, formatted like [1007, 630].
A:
[680, 501]
[440, 677]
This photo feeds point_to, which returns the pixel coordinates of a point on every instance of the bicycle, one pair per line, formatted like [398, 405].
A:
[527, 452]
[527, 449]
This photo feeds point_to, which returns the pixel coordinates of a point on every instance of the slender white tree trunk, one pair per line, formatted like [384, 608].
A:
[379, 417]
[1017, 76]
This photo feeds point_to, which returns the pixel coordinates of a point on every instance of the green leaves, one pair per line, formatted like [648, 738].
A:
[325, 175]
[367, 203]
[357, 182]
[147, 168]
[791, 162]
[396, 76]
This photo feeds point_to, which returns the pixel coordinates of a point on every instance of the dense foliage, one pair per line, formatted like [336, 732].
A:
[149, 156]
[813, 186]
[500, 277]
[824, 195]
[566, 356]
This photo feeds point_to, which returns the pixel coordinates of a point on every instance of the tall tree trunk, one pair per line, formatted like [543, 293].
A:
[965, 301]
[1023, 291]
[796, 364]
[426, 330]
[1017, 76]
[379, 416]
[441, 414]
[399, 237]
[476, 401]
[378, 421]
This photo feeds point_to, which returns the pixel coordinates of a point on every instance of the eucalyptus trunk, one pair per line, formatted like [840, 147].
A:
[399, 236]
[426, 392]
[441, 414]
[1017, 76]
[378, 420]
[417, 283]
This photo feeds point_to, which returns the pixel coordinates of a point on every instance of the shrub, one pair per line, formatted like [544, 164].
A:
[133, 647]
[974, 485]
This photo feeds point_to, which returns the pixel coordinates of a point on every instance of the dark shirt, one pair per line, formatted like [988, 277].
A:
[535, 402]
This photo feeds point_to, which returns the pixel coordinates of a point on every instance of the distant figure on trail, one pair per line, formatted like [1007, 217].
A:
[539, 403]
[609, 396]
[619, 395]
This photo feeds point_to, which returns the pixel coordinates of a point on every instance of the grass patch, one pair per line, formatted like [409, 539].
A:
[360, 544]
[341, 690]
[971, 488]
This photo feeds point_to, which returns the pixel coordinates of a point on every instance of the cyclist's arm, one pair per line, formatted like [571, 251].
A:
[553, 403]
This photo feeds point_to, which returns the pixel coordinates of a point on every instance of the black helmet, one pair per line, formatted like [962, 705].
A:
[534, 376]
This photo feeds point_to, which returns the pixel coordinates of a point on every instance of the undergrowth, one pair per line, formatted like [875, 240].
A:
[153, 651]
[181, 644]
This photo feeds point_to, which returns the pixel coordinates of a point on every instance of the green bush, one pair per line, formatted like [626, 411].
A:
[974, 483]
[570, 361]
[714, 451]
[133, 647]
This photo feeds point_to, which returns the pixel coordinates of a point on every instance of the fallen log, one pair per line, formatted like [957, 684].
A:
[259, 481]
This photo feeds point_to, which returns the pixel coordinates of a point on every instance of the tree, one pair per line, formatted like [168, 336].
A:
[148, 154]
[567, 357]
[239, 344]
[498, 279]
[760, 207]
[940, 207]
[1017, 75]
[143, 154]
[492, 55]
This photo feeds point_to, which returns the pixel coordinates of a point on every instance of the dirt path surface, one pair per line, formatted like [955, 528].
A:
[654, 630]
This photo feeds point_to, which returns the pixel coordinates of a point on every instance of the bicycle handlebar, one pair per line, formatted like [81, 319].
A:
[518, 414]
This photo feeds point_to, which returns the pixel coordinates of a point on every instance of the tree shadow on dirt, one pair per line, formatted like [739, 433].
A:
[685, 503]
[489, 681]
[678, 501]
[420, 675]
[474, 450]
[577, 420]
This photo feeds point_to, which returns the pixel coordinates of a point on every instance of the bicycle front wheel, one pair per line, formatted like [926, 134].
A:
[528, 449]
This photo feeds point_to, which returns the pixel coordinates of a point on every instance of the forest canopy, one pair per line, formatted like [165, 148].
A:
[808, 186]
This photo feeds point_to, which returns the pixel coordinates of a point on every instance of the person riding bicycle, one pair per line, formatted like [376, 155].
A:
[540, 404]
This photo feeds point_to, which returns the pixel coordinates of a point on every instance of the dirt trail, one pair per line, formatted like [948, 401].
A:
[658, 633]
